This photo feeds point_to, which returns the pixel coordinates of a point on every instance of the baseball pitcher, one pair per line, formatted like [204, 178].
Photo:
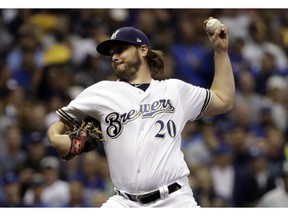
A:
[140, 120]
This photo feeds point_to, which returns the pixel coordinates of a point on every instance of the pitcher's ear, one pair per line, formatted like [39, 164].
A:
[144, 50]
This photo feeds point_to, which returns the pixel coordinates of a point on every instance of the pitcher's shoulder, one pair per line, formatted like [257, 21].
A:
[103, 83]
[173, 81]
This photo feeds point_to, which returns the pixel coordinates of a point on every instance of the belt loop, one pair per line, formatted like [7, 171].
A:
[119, 192]
[116, 191]
[125, 195]
[164, 192]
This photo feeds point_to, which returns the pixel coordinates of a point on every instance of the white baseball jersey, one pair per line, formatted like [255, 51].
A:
[142, 129]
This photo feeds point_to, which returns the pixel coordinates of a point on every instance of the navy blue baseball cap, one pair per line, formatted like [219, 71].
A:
[128, 35]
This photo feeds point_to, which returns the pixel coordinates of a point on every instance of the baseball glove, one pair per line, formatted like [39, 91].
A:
[84, 137]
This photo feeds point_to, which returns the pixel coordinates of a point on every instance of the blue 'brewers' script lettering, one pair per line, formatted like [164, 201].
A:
[116, 121]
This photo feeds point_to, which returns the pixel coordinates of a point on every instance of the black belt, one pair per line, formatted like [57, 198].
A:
[150, 197]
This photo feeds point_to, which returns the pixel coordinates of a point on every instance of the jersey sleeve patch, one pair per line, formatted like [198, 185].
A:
[206, 102]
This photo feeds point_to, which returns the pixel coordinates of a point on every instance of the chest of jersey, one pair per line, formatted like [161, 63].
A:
[128, 106]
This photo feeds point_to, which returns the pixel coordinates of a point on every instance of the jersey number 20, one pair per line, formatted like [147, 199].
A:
[169, 127]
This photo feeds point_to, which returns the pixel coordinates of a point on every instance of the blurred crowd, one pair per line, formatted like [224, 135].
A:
[48, 56]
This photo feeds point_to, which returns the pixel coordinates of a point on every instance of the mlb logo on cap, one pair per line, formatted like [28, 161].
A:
[114, 35]
[128, 35]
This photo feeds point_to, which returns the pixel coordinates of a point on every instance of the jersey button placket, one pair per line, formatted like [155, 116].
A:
[139, 147]
[139, 152]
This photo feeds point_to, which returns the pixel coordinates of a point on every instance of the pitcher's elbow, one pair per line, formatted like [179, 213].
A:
[229, 106]
[51, 140]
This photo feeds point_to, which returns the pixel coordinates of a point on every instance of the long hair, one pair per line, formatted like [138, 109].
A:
[155, 61]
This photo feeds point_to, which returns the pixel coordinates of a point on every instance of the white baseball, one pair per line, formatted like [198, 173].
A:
[212, 25]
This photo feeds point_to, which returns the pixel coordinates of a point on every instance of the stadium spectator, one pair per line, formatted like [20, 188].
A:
[55, 190]
[277, 197]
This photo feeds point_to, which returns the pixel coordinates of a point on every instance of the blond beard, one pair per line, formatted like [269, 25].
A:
[131, 67]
